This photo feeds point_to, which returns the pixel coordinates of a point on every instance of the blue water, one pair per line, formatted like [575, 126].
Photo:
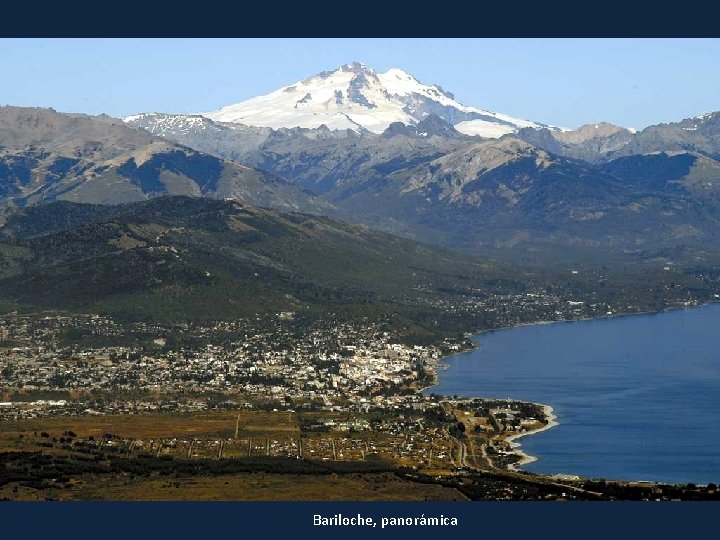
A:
[637, 397]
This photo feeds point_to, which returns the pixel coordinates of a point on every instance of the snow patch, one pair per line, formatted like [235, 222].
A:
[483, 128]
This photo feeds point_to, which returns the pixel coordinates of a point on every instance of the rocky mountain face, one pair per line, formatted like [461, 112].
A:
[518, 202]
[534, 197]
[605, 142]
[591, 142]
[47, 156]
[319, 160]
[231, 141]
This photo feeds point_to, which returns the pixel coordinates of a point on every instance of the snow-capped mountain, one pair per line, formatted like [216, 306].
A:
[357, 97]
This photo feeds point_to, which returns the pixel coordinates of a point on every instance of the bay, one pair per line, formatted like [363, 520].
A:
[637, 397]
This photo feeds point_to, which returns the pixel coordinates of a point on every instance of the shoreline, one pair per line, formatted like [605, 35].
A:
[548, 410]
[437, 362]
[525, 459]
[548, 413]
[599, 318]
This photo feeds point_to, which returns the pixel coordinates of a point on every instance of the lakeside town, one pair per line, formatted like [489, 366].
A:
[366, 383]
[56, 364]
[275, 387]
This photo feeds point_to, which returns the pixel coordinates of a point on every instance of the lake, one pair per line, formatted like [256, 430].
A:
[637, 397]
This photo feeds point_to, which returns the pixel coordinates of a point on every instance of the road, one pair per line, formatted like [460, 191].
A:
[516, 475]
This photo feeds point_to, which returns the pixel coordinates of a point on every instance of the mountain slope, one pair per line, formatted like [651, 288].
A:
[320, 160]
[512, 200]
[183, 258]
[536, 197]
[46, 156]
[186, 260]
[604, 142]
[591, 142]
[356, 97]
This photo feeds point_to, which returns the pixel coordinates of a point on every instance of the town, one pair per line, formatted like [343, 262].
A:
[353, 391]
[330, 390]
[68, 364]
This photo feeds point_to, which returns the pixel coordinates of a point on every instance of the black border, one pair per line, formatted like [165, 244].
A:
[356, 19]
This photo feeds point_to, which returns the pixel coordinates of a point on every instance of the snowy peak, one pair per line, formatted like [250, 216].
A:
[355, 67]
[355, 96]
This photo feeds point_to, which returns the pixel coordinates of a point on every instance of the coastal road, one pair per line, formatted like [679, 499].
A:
[517, 475]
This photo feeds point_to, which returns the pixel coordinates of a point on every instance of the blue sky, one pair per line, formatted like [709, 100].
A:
[565, 82]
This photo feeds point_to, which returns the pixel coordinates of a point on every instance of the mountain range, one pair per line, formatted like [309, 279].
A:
[386, 151]
[531, 194]
[47, 156]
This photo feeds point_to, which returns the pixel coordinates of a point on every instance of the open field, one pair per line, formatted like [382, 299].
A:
[157, 425]
[196, 456]
[151, 457]
[212, 435]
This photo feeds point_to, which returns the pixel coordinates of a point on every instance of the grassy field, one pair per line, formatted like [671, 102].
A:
[49, 465]
[154, 425]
